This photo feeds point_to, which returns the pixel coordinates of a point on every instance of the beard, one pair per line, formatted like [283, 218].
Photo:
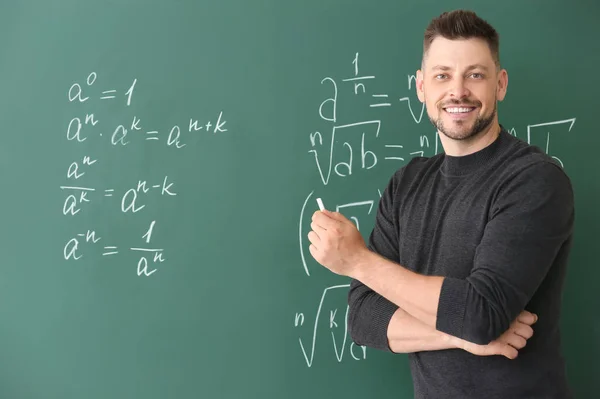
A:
[461, 131]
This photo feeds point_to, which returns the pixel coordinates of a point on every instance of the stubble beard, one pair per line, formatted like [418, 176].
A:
[480, 125]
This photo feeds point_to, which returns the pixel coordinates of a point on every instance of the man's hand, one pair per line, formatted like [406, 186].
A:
[336, 242]
[509, 343]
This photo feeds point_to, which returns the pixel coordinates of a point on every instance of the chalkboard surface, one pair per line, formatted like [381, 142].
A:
[161, 161]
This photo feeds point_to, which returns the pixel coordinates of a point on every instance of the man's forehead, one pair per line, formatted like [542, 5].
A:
[446, 53]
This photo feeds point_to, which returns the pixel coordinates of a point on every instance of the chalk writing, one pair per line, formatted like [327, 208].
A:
[408, 101]
[72, 250]
[80, 129]
[339, 345]
[91, 128]
[544, 129]
[129, 199]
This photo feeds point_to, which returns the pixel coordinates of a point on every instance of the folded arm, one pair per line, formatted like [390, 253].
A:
[376, 322]
[518, 247]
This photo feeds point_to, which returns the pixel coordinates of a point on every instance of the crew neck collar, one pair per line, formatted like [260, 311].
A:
[456, 166]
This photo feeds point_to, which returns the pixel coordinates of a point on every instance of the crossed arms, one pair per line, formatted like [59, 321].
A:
[393, 308]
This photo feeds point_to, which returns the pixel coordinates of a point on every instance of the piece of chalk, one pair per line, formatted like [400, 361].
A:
[320, 202]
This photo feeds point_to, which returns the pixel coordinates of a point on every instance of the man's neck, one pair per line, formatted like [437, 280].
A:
[459, 148]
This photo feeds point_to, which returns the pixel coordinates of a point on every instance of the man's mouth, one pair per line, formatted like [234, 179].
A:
[459, 110]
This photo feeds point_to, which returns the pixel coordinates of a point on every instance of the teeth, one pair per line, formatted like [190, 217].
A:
[457, 110]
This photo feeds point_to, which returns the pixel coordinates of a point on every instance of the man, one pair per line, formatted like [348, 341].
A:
[470, 246]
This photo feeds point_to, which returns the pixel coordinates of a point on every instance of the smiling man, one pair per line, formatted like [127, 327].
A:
[470, 247]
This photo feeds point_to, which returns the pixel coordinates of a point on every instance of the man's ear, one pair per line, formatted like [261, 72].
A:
[502, 84]
[419, 86]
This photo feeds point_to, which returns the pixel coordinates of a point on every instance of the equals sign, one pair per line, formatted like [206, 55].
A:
[108, 193]
[151, 134]
[380, 104]
[108, 92]
[394, 146]
[110, 251]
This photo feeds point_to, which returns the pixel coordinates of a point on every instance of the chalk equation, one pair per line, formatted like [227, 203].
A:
[78, 195]
[73, 251]
[121, 135]
[343, 156]
[334, 325]
[75, 92]
[80, 128]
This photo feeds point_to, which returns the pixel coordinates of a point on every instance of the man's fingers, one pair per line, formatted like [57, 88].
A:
[510, 352]
[336, 215]
[501, 348]
[313, 251]
[523, 330]
[322, 219]
[313, 238]
[527, 317]
[318, 229]
[516, 341]
[515, 338]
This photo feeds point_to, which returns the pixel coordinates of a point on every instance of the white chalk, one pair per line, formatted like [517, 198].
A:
[320, 202]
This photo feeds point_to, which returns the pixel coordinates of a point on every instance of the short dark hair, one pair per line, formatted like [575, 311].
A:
[462, 24]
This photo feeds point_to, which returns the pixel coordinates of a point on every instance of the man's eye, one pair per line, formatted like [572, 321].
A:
[440, 76]
[477, 76]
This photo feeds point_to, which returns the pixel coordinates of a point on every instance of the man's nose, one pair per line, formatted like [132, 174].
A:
[459, 90]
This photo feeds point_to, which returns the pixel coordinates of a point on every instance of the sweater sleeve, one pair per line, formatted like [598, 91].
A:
[531, 220]
[369, 313]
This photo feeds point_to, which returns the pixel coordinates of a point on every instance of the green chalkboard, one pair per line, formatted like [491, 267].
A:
[161, 159]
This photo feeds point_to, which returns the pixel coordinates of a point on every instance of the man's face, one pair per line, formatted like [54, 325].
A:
[460, 86]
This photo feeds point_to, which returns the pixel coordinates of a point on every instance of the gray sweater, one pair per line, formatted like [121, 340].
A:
[497, 224]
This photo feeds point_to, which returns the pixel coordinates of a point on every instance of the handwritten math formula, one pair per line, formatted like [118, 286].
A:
[340, 150]
[79, 196]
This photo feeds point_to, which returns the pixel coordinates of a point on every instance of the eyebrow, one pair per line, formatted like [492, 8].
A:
[469, 68]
